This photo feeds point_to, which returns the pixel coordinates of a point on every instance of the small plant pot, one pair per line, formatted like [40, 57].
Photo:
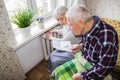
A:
[40, 25]
[40, 22]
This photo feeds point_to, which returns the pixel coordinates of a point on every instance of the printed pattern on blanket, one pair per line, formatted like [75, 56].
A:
[65, 71]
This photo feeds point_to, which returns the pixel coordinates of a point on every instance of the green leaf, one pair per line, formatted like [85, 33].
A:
[23, 17]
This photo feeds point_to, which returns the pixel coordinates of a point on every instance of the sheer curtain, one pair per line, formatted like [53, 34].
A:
[75, 2]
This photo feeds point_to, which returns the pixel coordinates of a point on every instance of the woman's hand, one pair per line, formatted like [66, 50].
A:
[48, 36]
[77, 76]
[52, 31]
[76, 48]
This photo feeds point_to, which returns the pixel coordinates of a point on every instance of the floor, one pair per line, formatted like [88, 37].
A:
[40, 72]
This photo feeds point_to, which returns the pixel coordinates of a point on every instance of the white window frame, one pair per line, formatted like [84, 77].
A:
[34, 7]
[53, 3]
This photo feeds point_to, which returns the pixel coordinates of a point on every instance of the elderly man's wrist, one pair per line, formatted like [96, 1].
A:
[84, 76]
[81, 74]
[81, 45]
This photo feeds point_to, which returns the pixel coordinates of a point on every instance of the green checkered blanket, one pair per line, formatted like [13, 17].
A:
[65, 71]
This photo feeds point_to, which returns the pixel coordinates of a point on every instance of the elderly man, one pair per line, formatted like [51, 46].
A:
[99, 43]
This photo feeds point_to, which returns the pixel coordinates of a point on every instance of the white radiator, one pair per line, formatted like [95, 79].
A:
[47, 45]
[47, 48]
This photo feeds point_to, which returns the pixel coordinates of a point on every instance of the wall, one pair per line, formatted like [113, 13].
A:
[30, 54]
[10, 68]
[104, 8]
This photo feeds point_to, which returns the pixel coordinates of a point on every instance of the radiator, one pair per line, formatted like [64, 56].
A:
[47, 45]
[47, 48]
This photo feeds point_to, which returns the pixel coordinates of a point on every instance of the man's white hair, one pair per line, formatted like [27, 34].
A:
[77, 13]
[60, 10]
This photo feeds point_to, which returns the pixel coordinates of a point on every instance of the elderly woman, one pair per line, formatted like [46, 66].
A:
[58, 57]
[99, 40]
[66, 32]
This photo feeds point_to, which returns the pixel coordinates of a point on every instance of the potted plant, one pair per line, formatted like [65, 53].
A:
[23, 18]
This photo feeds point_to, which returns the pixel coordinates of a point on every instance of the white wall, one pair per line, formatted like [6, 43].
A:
[104, 8]
[30, 54]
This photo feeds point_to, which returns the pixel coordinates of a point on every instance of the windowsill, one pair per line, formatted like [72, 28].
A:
[21, 40]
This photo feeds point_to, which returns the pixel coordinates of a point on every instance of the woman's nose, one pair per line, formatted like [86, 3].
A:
[70, 27]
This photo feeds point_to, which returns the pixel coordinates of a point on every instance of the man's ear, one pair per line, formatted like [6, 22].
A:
[80, 23]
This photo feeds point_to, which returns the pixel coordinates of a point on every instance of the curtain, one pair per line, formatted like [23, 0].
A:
[75, 2]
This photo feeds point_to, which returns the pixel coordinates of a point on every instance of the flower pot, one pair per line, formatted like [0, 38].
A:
[40, 25]
[25, 31]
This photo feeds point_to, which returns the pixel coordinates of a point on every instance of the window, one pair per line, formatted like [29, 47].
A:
[13, 5]
[40, 7]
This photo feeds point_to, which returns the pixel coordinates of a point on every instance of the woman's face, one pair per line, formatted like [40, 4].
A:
[62, 19]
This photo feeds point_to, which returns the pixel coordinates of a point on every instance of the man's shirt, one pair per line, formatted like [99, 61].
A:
[100, 48]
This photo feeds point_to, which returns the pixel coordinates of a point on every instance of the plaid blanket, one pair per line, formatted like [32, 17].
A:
[65, 71]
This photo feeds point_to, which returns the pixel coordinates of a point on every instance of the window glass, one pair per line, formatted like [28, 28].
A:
[43, 6]
[13, 5]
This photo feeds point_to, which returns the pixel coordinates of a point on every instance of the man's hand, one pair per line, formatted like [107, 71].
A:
[77, 76]
[76, 48]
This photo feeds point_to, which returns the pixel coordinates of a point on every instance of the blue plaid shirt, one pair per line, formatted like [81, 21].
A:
[100, 48]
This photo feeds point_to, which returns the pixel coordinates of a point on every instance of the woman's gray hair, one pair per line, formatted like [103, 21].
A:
[77, 13]
[60, 10]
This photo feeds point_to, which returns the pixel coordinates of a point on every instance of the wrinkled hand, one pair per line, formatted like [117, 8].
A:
[52, 31]
[76, 48]
[77, 76]
[48, 36]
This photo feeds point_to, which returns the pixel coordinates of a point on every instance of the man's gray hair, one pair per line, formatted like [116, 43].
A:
[60, 10]
[77, 13]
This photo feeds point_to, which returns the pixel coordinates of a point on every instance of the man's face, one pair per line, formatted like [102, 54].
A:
[76, 27]
[62, 19]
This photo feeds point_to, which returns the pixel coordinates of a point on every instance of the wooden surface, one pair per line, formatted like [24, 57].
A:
[40, 72]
